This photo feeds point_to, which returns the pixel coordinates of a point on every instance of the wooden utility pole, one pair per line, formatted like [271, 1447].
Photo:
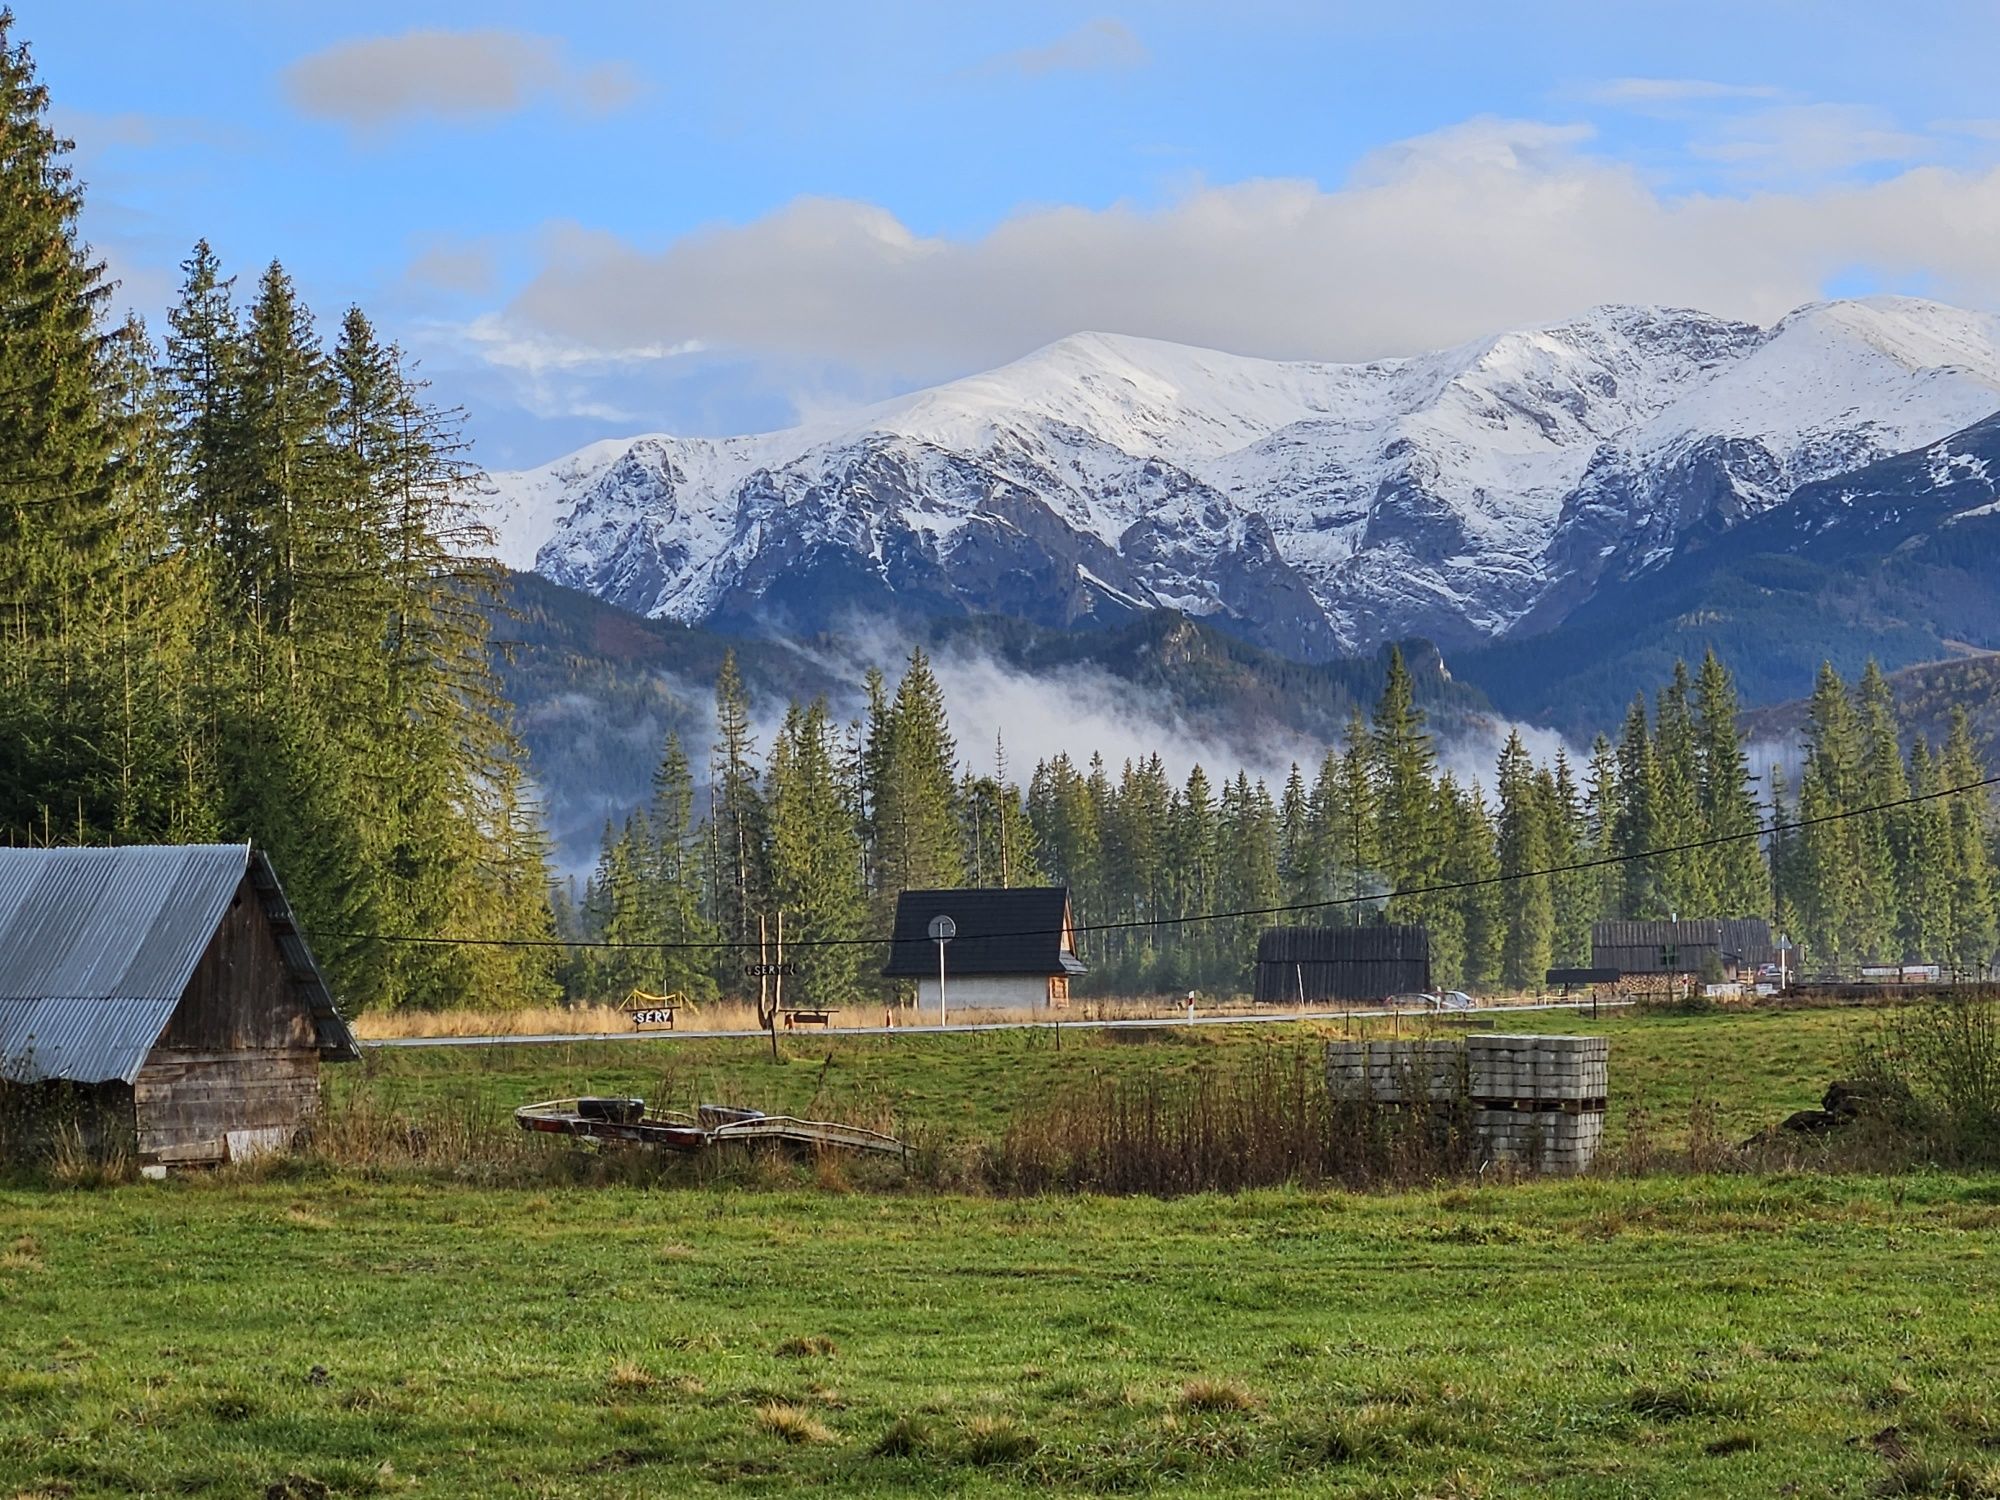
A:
[778, 998]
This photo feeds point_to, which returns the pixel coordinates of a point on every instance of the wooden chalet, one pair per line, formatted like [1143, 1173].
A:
[1014, 949]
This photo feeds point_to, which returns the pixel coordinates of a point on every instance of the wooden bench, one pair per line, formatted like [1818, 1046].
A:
[813, 1015]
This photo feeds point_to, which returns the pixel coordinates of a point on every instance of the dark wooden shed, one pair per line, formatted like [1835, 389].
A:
[1310, 965]
[1734, 946]
[167, 995]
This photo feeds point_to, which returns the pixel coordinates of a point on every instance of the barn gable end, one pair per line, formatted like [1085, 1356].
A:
[237, 1070]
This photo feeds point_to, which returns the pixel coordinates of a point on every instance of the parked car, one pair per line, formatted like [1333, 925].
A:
[1412, 1002]
[1453, 1000]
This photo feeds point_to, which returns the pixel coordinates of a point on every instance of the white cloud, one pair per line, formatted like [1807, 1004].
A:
[373, 82]
[1097, 46]
[1490, 225]
[1794, 141]
[1643, 93]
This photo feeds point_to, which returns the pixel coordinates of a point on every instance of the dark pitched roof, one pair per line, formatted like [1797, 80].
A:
[999, 932]
[97, 947]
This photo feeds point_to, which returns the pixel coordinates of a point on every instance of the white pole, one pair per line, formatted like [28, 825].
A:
[941, 981]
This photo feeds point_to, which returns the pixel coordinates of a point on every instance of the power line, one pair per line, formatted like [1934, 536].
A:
[1762, 830]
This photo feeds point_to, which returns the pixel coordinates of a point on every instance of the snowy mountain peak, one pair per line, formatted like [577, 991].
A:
[1458, 494]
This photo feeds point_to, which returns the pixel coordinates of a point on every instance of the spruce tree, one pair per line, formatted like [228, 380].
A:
[1247, 830]
[60, 437]
[1575, 890]
[1881, 836]
[737, 817]
[1827, 862]
[1298, 849]
[815, 860]
[1973, 914]
[1354, 856]
[1195, 864]
[1738, 880]
[1410, 817]
[1637, 830]
[1528, 908]
[1925, 877]
[1683, 875]
[917, 841]
[1603, 807]
[677, 877]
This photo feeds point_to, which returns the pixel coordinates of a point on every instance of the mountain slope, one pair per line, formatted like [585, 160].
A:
[1314, 509]
[1894, 560]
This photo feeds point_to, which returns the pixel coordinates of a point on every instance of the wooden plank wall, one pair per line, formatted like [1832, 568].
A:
[189, 1103]
[239, 1056]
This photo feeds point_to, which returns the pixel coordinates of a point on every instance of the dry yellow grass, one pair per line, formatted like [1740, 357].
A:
[1217, 1395]
[793, 1424]
[741, 1015]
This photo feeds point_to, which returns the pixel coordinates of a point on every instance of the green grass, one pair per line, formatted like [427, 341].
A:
[1750, 1068]
[1692, 1336]
[383, 1329]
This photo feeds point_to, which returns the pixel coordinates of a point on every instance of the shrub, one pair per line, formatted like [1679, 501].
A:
[1934, 1072]
[1267, 1123]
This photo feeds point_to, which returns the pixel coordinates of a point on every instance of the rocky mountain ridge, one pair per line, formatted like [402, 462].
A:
[1468, 495]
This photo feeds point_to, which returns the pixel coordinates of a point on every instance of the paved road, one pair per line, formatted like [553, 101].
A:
[1262, 1018]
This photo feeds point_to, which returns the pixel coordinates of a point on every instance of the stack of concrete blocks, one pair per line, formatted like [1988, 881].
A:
[1537, 1101]
[1395, 1072]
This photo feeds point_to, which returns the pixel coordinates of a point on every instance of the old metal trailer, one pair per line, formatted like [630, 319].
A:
[629, 1122]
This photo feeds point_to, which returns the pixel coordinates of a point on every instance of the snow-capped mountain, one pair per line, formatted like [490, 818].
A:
[1463, 495]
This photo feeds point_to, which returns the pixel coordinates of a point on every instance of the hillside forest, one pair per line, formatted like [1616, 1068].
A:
[830, 821]
[242, 596]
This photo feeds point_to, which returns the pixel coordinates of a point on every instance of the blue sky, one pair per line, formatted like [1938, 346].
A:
[605, 218]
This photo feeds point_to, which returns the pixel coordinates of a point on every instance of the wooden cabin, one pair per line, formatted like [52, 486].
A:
[163, 998]
[1313, 965]
[1013, 949]
[1732, 947]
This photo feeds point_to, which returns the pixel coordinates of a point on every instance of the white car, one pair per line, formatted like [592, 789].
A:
[1452, 1000]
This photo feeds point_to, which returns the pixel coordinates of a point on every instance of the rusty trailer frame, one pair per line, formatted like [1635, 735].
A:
[629, 1122]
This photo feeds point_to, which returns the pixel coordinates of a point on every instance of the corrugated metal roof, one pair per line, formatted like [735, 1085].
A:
[97, 947]
[336, 1042]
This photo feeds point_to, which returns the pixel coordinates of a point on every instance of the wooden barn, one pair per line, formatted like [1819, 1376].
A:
[1313, 965]
[1013, 949]
[1734, 947]
[164, 998]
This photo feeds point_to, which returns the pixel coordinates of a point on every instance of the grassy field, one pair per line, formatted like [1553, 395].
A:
[1671, 1336]
[1745, 1069]
[349, 1326]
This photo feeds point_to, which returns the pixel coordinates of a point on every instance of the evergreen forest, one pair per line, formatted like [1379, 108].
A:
[239, 599]
[830, 822]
